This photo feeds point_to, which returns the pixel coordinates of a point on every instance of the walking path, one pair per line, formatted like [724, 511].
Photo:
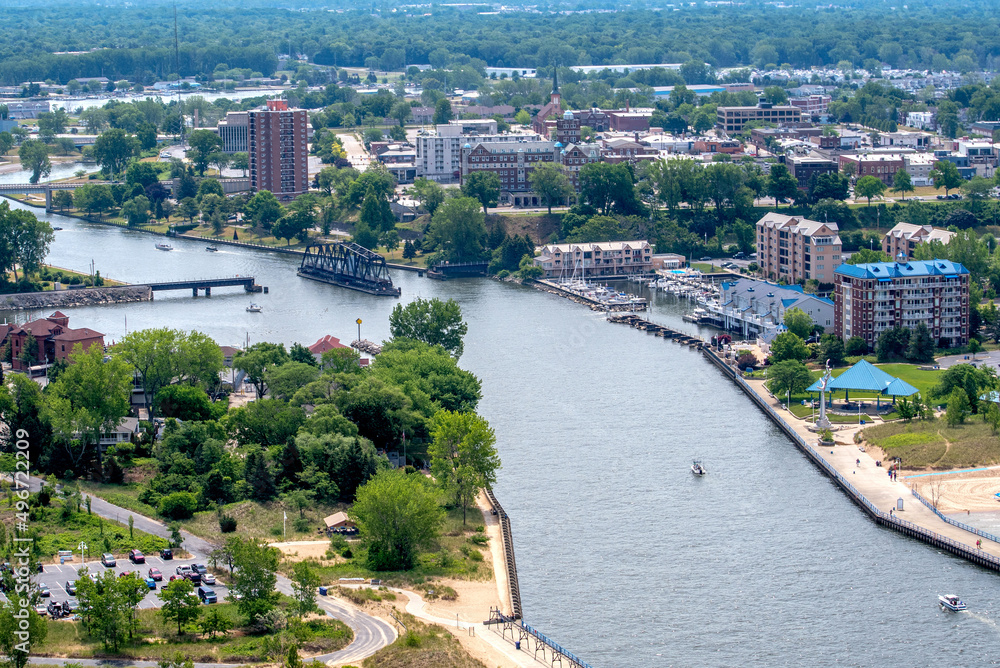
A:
[872, 481]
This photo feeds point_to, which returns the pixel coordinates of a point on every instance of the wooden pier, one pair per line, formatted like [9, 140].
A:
[593, 304]
[638, 322]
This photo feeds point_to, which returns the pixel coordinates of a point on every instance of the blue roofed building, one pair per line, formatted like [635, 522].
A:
[871, 298]
[757, 308]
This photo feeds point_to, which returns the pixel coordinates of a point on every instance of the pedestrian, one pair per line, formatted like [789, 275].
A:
[979, 543]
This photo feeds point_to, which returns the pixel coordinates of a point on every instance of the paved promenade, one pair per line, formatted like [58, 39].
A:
[872, 481]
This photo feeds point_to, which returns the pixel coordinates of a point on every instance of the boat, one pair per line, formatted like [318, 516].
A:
[212, 249]
[165, 247]
[253, 308]
[697, 468]
[951, 602]
[57, 229]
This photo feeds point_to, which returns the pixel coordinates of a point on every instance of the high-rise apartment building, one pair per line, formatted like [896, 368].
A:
[796, 249]
[277, 143]
[233, 131]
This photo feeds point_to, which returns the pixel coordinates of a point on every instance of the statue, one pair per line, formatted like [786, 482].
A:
[822, 422]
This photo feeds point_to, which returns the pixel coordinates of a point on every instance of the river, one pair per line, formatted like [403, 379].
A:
[624, 557]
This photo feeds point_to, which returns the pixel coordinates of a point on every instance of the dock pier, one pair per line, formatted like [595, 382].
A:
[638, 322]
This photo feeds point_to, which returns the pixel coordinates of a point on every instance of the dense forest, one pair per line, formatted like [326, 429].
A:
[136, 40]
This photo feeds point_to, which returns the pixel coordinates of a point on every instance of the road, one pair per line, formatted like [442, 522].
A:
[370, 633]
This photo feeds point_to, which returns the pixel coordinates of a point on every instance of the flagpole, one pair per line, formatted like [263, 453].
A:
[284, 519]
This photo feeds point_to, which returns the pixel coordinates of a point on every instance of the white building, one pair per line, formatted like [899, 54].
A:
[757, 308]
[919, 166]
[923, 120]
[610, 258]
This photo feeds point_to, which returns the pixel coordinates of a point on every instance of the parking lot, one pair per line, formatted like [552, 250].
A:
[55, 577]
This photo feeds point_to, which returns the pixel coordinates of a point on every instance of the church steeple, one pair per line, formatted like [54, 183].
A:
[555, 98]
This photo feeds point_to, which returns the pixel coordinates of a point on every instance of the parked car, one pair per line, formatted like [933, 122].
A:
[739, 256]
[941, 197]
[207, 595]
[208, 579]
[155, 574]
[194, 577]
[201, 569]
[41, 609]
[108, 560]
[705, 259]
[182, 570]
[166, 554]
[136, 557]
[151, 583]
[43, 590]
[71, 587]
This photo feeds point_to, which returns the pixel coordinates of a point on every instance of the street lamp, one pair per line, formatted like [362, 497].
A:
[359, 331]
[83, 551]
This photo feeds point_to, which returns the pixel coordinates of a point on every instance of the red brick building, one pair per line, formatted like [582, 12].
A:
[54, 339]
[881, 166]
[277, 141]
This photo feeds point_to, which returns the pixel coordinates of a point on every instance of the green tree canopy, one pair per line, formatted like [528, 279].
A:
[788, 346]
[798, 322]
[788, 377]
[432, 321]
[463, 456]
[114, 149]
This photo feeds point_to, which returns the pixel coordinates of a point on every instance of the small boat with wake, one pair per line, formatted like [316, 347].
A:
[951, 602]
[697, 468]
[212, 249]
[253, 308]
[164, 247]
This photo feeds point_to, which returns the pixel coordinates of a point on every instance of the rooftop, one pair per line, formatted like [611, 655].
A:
[891, 270]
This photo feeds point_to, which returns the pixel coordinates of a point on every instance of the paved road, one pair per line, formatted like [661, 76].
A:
[370, 633]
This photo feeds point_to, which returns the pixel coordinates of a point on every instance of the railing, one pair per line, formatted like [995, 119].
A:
[541, 637]
[960, 525]
[891, 521]
[507, 537]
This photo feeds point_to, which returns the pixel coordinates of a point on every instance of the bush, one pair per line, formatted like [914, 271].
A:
[479, 539]
[178, 506]
[227, 524]
[502, 274]
[302, 524]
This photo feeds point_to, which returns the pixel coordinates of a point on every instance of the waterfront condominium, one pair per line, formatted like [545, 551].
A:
[905, 237]
[870, 298]
[610, 258]
[795, 249]
[278, 150]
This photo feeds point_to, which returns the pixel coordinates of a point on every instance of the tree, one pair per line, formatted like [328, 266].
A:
[432, 321]
[550, 183]
[458, 230]
[921, 347]
[203, 144]
[21, 629]
[901, 183]
[828, 186]
[375, 213]
[867, 256]
[788, 346]
[781, 184]
[463, 456]
[114, 149]
[136, 211]
[855, 346]
[977, 188]
[24, 241]
[975, 347]
[483, 186]
[832, 349]
[255, 360]
[210, 187]
[215, 623]
[958, 407]
[255, 566]
[869, 187]
[365, 236]
[522, 117]
[240, 161]
[396, 514]
[606, 186]
[788, 377]
[972, 380]
[443, 112]
[34, 157]
[304, 583]
[264, 208]
[285, 380]
[429, 194]
[88, 399]
[893, 344]
[946, 175]
[179, 603]
[798, 322]
[142, 173]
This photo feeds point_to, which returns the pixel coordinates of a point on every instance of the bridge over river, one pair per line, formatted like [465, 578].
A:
[229, 186]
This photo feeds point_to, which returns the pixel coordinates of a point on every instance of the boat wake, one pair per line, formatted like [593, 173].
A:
[992, 623]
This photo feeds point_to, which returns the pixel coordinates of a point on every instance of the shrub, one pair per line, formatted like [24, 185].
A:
[227, 524]
[302, 524]
[479, 539]
[502, 274]
[179, 505]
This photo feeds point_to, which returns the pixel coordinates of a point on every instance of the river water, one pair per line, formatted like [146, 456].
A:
[624, 557]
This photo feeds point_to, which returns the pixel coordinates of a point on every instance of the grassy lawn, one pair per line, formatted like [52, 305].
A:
[126, 496]
[921, 379]
[933, 444]
[263, 520]
[157, 639]
[60, 527]
[453, 556]
[423, 646]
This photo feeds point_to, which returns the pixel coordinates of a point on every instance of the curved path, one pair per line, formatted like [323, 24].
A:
[370, 633]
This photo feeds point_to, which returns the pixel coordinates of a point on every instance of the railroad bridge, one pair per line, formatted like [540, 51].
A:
[249, 283]
[348, 265]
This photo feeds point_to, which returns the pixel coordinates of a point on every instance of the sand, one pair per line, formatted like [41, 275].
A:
[304, 549]
[960, 492]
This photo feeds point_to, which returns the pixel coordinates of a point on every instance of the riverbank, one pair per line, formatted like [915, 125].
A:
[123, 294]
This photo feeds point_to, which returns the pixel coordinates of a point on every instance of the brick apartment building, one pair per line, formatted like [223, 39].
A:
[796, 249]
[732, 119]
[277, 143]
[512, 161]
[804, 167]
[881, 166]
[53, 337]
[812, 104]
[870, 298]
[905, 237]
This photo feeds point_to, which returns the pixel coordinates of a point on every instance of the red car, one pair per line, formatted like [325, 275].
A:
[155, 574]
[136, 557]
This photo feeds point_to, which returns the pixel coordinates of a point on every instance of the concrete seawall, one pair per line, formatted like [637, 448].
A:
[83, 297]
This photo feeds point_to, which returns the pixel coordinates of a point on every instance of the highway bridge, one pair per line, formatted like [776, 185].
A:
[229, 186]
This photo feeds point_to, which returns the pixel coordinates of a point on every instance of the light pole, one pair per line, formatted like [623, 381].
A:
[359, 331]
[83, 552]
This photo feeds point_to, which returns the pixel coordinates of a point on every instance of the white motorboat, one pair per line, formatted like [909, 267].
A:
[212, 249]
[164, 247]
[697, 468]
[253, 308]
[951, 602]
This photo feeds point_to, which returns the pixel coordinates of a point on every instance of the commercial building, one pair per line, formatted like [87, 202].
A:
[882, 166]
[812, 104]
[904, 238]
[804, 167]
[756, 308]
[512, 161]
[29, 109]
[53, 340]
[611, 258]
[919, 167]
[277, 145]
[870, 298]
[732, 119]
[233, 131]
[795, 249]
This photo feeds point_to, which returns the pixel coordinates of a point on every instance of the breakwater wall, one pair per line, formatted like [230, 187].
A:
[507, 537]
[122, 294]
[904, 527]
